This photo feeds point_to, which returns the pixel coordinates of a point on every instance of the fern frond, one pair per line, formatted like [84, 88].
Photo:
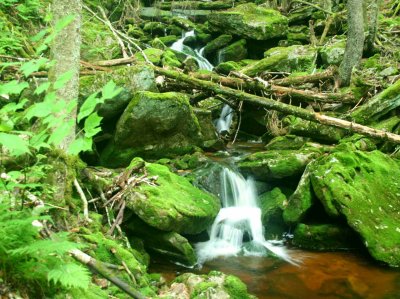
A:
[70, 275]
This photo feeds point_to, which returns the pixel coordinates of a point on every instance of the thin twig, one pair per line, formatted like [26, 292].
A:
[84, 201]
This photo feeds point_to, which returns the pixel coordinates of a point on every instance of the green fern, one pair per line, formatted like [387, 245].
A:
[70, 276]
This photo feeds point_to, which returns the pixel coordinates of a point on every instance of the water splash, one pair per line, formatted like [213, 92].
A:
[225, 120]
[239, 218]
[204, 64]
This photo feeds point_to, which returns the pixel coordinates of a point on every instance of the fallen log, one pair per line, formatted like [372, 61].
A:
[279, 106]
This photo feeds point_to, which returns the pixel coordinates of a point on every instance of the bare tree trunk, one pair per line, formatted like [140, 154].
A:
[371, 11]
[65, 51]
[355, 41]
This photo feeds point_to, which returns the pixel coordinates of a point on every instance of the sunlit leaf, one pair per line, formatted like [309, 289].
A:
[92, 125]
[33, 66]
[13, 87]
[88, 106]
[110, 90]
[15, 144]
[58, 135]
[63, 79]
[81, 144]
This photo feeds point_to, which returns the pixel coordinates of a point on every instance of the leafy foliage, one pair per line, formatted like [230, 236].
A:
[28, 259]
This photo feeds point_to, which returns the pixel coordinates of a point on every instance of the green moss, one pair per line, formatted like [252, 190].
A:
[324, 237]
[236, 288]
[234, 52]
[287, 142]
[277, 164]
[152, 54]
[169, 59]
[363, 187]
[332, 53]
[217, 43]
[174, 204]
[226, 67]
[284, 59]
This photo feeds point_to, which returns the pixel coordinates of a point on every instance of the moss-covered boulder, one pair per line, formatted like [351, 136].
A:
[295, 58]
[211, 140]
[364, 188]
[152, 54]
[170, 245]
[234, 52]
[272, 204]
[225, 68]
[324, 237]
[277, 164]
[249, 21]
[172, 203]
[154, 125]
[132, 78]
[333, 53]
[214, 285]
[213, 46]
[287, 142]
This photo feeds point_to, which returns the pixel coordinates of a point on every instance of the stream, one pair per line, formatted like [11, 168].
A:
[291, 273]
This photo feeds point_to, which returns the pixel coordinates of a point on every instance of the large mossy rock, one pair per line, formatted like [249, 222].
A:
[234, 52]
[154, 125]
[277, 164]
[167, 244]
[363, 187]
[332, 54]
[284, 59]
[172, 203]
[132, 78]
[213, 46]
[249, 21]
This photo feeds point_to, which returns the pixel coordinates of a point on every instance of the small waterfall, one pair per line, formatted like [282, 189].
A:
[225, 119]
[239, 218]
[204, 64]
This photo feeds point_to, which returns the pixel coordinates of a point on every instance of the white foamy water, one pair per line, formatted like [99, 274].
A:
[239, 217]
[225, 119]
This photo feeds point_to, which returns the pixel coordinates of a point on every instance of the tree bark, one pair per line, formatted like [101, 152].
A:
[355, 41]
[279, 106]
[65, 51]
[371, 8]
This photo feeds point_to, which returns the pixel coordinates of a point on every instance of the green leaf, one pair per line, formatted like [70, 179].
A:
[70, 275]
[88, 106]
[82, 144]
[92, 125]
[15, 144]
[42, 88]
[39, 110]
[13, 87]
[63, 79]
[110, 90]
[33, 66]
[62, 131]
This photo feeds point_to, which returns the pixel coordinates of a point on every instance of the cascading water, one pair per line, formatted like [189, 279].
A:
[239, 218]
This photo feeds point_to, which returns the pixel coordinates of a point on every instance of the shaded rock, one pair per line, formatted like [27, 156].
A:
[213, 46]
[234, 52]
[154, 28]
[168, 244]
[211, 139]
[153, 125]
[249, 21]
[215, 285]
[332, 54]
[291, 142]
[208, 178]
[364, 188]
[277, 164]
[190, 64]
[284, 59]
[298, 34]
[172, 203]
[272, 204]
[169, 39]
[152, 54]
[131, 78]
[225, 68]
[324, 237]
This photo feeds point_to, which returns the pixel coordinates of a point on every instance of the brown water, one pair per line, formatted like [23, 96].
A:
[330, 275]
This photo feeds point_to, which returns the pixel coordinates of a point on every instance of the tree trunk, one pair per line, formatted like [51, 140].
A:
[65, 51]
[371, 8]
[355, 41]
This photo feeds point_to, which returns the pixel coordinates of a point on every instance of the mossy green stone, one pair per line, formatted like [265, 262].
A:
[169, 59]
[226, 67]
[216, 44]
[332, 54]
[234, 52]
[152, 54]
[363, 187]
[324, 237]
[173, 204]
[249, 21]
[284, 59]
[154, 125]
[277, 164]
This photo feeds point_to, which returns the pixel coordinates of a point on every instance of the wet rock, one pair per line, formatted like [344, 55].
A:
[324, 237]
[332, 54]
[132, 78]
[225, 68]
[234, 52]
[277, 164]
[213, 46]
[170, 245]
[215, 285]
[249, 21]
[288, 142]
[190, 64]
[172, 203]
[154, 125]
[211, 139]
[168, 40]
[208, 178]
[272, 204]
[169, 59]
[363, 187]
[284, 59]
